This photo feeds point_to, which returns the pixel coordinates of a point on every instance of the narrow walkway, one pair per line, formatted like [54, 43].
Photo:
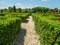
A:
[27, 34]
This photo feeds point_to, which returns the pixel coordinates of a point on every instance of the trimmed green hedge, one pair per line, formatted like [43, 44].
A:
[23, 16]
[8, 28]
[48, 30]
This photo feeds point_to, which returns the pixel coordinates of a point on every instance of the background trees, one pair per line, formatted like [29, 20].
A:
[14, 9]
[28, 10]
[18, 10]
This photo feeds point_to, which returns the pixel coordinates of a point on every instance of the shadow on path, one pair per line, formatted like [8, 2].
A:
[26, 36]
[26, 21]
[19, 38]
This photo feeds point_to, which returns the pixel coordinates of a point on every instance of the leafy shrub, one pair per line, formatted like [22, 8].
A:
[22, 16]
[47, 29]
[57, 15]
[8, 28]
[2, 14]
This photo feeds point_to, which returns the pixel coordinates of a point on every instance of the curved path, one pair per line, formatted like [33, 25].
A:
[27, 35]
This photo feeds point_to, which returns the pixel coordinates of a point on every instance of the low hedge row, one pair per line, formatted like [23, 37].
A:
[8, 28]
[48, 30]
[2, 14]
[23, 16]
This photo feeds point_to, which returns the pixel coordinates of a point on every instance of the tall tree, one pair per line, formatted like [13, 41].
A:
[10, 9]
[5, 10]
[14, 9]
[56, 9]
[19, 10]
[1, 11]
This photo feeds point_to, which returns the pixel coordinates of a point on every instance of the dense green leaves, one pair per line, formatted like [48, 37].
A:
[30, 10]
[47, 29]
[9, 26]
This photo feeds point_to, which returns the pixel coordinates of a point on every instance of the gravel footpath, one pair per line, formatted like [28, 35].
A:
[27, 35]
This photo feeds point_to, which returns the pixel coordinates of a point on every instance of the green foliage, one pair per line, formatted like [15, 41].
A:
[47, 29]
[40, 10]
[14, 9]
[56, 9]
[57, 15]
[9, 26]
[23, 16]
[18, 10]
[27, 10]
[2, 14]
